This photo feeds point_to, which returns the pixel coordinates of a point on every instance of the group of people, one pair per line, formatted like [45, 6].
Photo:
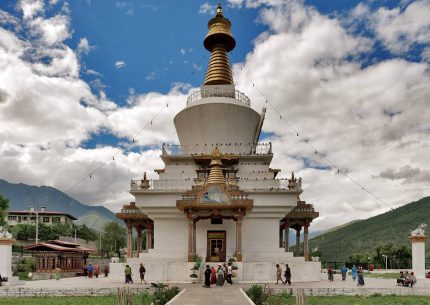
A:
[407, 279]
[356, 273]
[90, 271]
[129, 274]
[220, 275]
[287, 274]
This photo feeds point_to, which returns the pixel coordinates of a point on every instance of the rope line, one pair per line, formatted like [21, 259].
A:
[307, 141]
[90, 174]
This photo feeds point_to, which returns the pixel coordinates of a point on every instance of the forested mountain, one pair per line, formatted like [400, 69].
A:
[22, 196]
[364, 236]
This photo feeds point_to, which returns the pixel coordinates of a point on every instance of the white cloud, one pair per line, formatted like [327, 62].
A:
[371, 120]
[119, 64]
[83, 46]
[207, 8]
[364, 119]
[400, 28]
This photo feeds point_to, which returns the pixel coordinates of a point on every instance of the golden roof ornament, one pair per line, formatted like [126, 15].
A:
[215, 175]
[219, 41]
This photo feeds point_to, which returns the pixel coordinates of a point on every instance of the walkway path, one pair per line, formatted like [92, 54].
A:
[198, 295]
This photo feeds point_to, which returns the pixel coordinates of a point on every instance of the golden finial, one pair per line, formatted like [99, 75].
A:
[219, 10]
[219, 41]
[215, 175]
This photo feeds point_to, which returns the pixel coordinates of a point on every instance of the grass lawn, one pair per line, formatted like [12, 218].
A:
[373, 300]
[89, 300]
[357, 300]
[390, 275]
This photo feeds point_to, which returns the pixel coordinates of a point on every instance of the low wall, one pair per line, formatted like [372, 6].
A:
[168, 272]
[46, 292]
[399, 291]
[265, 272]
[247, 272]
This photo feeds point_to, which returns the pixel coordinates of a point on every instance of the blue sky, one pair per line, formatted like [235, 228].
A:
[148, 37]
[79, 78]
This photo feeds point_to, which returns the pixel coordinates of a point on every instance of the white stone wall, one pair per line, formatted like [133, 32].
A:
[419, 259]
[6, 260]
[203, 226]
[216, 122]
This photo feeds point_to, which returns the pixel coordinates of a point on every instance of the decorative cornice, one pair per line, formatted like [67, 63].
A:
[418, 238]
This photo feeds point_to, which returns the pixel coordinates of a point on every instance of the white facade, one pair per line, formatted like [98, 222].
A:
[47, 218]
[218, 116]
[272, 200]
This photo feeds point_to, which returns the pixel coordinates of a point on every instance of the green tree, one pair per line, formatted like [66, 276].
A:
[24, 231]
[113, 237]
[85, 233]
[4, 205]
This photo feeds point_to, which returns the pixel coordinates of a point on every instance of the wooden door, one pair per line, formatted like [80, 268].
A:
[216, 246]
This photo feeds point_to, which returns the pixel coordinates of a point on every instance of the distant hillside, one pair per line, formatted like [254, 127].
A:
[93, 220]
[22, 196]
[364, 236]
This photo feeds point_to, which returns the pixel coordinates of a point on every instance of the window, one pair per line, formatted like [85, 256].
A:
[19, 218]
[216, 221]
[11, 218]
[231, 175]
[45, 219]
[56, 219]
[24, 218]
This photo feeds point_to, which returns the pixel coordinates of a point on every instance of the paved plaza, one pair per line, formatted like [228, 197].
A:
[196, 294]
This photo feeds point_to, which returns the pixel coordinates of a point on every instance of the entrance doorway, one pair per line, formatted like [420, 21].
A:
[216, 246]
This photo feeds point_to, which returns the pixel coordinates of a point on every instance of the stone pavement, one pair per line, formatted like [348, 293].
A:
[102, 286]
[198, 295]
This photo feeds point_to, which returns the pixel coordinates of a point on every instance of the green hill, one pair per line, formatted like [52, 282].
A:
[93, 220]
[363, 236]
[22, 196]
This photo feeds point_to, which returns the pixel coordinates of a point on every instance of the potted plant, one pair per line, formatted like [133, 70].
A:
[197, 259]
[232, 261]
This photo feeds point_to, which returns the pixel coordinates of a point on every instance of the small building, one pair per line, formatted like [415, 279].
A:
[46, 217]
[70, 257]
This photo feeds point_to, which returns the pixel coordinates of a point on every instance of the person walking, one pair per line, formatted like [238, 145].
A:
[287, 274]
[220, 276]
[85, 270]
[142, 272]
[128, 275]
[106, 271]
[330, 274]
[278, 274]
[208, 276]
[343, 271]
[213, 276]
[360, 276]
[97, 271]
[90, 271]
[229, 274]
[354, 272]
[57, 273]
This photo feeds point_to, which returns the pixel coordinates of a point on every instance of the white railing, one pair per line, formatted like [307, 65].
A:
[131, 211]
[218, 92]
[139, 185]
[225, 148]
[244, 184]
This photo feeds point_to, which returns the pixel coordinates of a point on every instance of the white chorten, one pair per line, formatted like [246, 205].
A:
[217, 196]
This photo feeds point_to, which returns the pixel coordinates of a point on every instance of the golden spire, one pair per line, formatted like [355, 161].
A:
[215, 175]
[219, 41]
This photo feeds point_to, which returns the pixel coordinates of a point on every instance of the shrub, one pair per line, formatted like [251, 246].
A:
[163, 294]
[257, 295]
